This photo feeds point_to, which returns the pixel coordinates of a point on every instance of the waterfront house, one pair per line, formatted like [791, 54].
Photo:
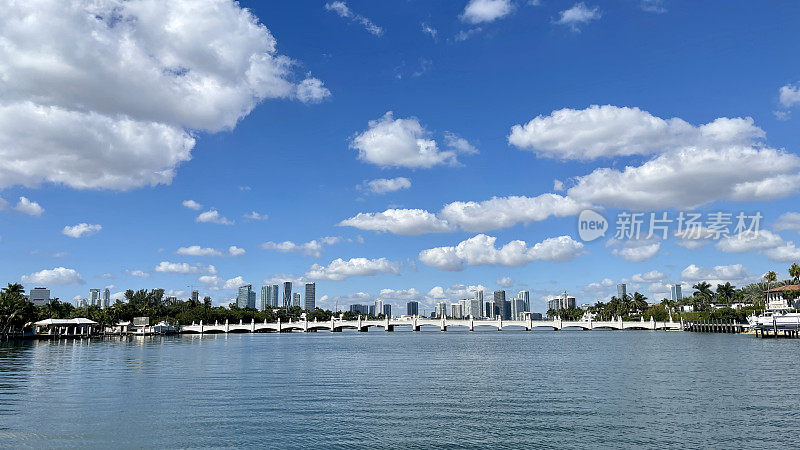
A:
[779, 297]
[79, 327]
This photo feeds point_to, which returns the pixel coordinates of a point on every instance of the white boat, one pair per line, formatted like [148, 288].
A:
[775, 320]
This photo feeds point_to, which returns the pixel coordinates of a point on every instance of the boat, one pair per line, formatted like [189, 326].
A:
[780, 319]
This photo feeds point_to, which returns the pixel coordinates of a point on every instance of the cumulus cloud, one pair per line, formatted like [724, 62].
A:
[765, 242]
[255, 216]
[481, 250]
[637, 250]
[384, 185]
[654, 6]
[340, 269]
[137, 273]
[654, 276]
[26, 206]
[236, 251]
[58, 276]
[311, 90]
[81, 229]
[605, 131]
[734, 273]
[107, 95]
[503, 212]
[313, 247]
[196, 250]
[184, 268]
[505, 282]
[191, 204]
[480, 11]
[790, 95]
[787, 221]
[410, 222]
[343, 11]
[215, 283]
[459, 144]
[213, 216]
[390, 142]
[578, 15]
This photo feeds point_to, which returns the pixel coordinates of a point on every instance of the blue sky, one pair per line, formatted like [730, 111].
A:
[113, 117]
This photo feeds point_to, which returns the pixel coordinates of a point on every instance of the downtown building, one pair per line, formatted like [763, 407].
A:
[412, 308]
[246, 297]
[311, 297]
[287, 294]
[563, 301]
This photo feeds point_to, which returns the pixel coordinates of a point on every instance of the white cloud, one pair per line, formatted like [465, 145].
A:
[655, 6]
[577, 15]
[503, 212]
[481, 250]
[313, 247]
[215, 283]
[234, 283]
[717, 275]
[280, 278]
[390, 142]
[213, 216]
[81, 229]
[340, 269]
[26, 206]
[137, 273]
[398, 221]
[637, 251]
[463, 35]
[256, 216]
[58, 276]
[184, 268]
[384, 185]
[558, 185]
[693, 177]
[787, 221]
[342, 10]
[604, 131]
[196, 250]
[505, 282]
[789, 95]
[236, 251]
[459, 144]
[654, 276]
[429, 30]
[191, 204]
[311, 90]
[479, 11]
[765, 242]
[404, 295]
[103, 94]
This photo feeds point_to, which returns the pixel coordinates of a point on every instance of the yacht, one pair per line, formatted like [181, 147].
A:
[780, 319]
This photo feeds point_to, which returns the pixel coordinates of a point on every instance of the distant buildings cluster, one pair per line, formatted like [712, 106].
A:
[246, 297]
[97, 297]
[377, 309]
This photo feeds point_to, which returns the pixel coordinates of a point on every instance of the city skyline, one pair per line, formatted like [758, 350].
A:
[457, 157]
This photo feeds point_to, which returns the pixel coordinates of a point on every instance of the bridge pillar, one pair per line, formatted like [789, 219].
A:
[652, 323]
[499, 323]
[530, 322]
[227, 326]
[471, 324]
[414, 326]
[559, 323]
[387, 327]
[444, 323]
[279, 325]
[358, 325]
[201, 327]
[590, 323]
[305, 326]
[253, 325]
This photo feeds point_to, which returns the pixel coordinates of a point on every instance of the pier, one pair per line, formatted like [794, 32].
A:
[416, 324]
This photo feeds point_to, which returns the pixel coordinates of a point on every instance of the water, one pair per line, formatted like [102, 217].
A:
[428, 389]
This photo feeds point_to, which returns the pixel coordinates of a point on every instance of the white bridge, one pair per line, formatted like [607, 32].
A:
[415, 324]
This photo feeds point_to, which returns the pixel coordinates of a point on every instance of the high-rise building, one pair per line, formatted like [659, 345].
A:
[264, 301]
[479, 298]
[296, 301]
[311, 296]
[94, 297]
[675, 291]
[488, 311]
[387, 310]
[39, 296]
[472, 308]
[246, 297]
[287, 294]
[106, 298]
[378, 307]
[412, 308]
[501, 307]
[360, 309]
[440, 310]
[195, 296]
[563, 301]
[525, 296]
[517, 308]
[622, 290]
[456, 311]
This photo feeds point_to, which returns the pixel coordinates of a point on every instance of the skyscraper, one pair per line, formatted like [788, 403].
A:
[106, 298]
[195, 295]
[94, 297]
[479, 298]
[387, 310]
[622, 290]
[675, 291]
[287, 294]
[39, 296]
[296, 301]
[378, 307]
[525, 296]
[501, 308]
[273, 295]
[264, 302]
[441, 310]
[517, 308]
[412, 308]
[311, 296]
[246, 297]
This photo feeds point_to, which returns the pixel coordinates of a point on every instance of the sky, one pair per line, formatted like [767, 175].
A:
[398, 150]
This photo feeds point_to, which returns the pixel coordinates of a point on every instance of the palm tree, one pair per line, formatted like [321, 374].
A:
[704, 292]
[726, 292]
[14, 289]
[639, 302]
[769, 277]
[794, 272]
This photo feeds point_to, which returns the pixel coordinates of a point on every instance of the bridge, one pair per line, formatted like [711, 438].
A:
[416, 324]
